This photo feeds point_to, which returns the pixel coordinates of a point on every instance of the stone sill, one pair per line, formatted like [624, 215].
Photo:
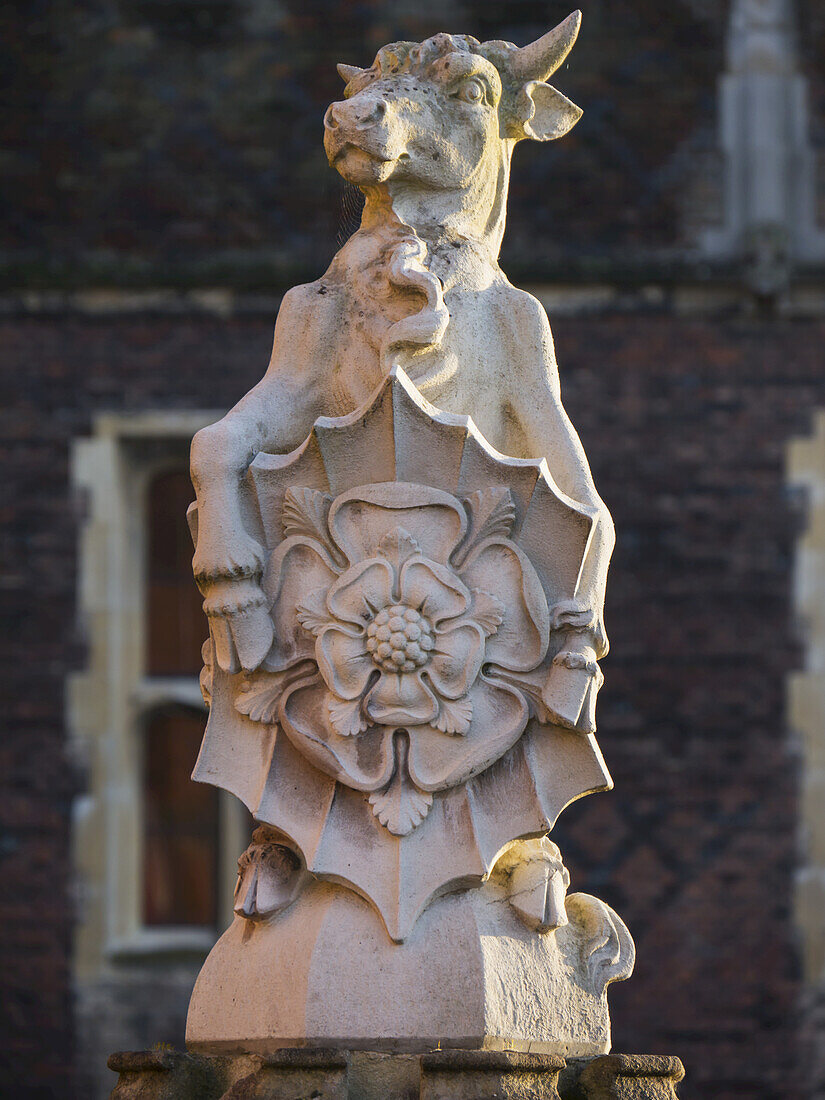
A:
[150, 944]
[159, 691]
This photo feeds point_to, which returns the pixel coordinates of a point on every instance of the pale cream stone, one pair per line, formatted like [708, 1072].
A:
[404, 780]
[471, 974]
[428, 134]
[403, 560]
[538, 883]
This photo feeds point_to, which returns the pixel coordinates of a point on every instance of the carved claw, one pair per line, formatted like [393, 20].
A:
[536, 883]
[244, 557]
[241, 625]
[569, 692]
[537, 895]
[270, 877]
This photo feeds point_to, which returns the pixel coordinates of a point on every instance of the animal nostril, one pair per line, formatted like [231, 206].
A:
[371, 113]
[330, 121]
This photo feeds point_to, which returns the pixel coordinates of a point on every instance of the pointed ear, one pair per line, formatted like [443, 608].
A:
[546, 113]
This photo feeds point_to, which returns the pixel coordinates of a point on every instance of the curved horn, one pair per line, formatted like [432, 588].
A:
[349, 72]
[539, 59]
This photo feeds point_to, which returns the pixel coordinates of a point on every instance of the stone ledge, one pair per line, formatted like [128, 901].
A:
[470, 1074]
[332, 1074]
[630, 1077]
[164, 1074]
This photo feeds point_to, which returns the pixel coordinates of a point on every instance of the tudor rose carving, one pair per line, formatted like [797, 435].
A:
[401, 636]
[416, 628]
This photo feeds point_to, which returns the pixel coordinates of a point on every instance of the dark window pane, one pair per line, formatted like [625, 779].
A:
[180, 824]
[177, 625]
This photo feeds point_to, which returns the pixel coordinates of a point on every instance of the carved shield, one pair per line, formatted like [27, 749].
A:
[399, 731]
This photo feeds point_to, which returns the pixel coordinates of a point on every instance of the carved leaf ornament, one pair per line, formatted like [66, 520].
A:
[413, 576]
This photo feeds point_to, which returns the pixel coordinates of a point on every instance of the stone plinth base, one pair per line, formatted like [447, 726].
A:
[362, 1075]
[474, 973]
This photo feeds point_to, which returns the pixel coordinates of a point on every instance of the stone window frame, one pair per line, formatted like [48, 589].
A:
[806, 695]
[109, 701]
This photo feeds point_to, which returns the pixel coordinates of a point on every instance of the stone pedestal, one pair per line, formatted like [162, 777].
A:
[365, 1075]
[472, 974]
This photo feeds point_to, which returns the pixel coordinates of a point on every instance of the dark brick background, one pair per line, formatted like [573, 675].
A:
[172, 140]
[686, 422]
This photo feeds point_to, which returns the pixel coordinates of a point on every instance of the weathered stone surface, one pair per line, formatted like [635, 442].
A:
[403, 559]
[163, 1075]
[428, 134]
[294, 1075]
[368, 1075]
[631, 1077]
[394, 781]
[285, 1075]
[472, 973]
[468, 1075]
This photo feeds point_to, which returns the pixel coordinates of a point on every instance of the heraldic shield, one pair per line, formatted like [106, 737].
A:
[405, 726]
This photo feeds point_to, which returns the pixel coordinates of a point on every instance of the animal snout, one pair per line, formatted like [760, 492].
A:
[359, 113]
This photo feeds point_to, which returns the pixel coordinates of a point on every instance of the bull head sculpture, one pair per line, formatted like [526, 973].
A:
[440, 119]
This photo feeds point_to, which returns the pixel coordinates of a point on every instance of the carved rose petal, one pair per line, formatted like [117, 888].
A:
[296, 568]
[361, 591]
[365, 762]
[343, 660]
[521, 640]
[438, 760]
[401, 699]
[360, 518]
[433, 589]
[456, 660]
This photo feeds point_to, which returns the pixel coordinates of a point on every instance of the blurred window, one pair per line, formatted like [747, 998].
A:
[157, 852]
[180, 824]
[176, 624]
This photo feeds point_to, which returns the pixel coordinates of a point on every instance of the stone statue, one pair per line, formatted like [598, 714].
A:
[428, 134]
[403, 560]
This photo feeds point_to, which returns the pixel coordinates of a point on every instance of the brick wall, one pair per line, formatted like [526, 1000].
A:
[158, 141]
[686, 421]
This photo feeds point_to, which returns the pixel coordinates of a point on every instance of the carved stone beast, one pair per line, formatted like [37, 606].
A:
[427, 133]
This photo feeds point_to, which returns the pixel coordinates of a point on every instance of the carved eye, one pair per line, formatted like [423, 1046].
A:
[471, 91]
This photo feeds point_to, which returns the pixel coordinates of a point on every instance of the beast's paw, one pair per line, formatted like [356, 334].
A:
[572, 615]
[237, 559]
[270, 877]
[240, 622]
[570, 690]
